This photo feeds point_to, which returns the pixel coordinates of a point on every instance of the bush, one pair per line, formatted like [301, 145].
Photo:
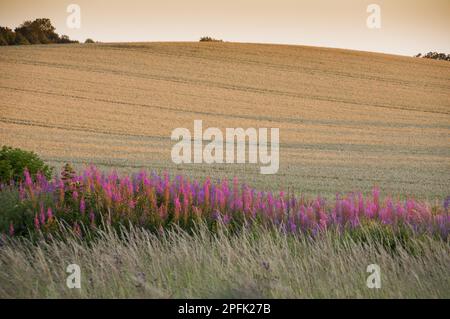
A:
[434, 56]
[2, 40]
[39, 31]
[65, 39]
[13, 162]
[209, 39]
[89, 40]
[20, 39]
[7, 36]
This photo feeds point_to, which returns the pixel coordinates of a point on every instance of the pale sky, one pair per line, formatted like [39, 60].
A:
[407, 26]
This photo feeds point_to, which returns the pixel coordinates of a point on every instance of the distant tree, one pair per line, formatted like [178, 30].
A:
[46, 31]
[20, 39]
[7, 35]
[434, 56]
[89, 40]
[29, 31]
[39, 31]
[209, 39]
[2, 40]
[65, 39]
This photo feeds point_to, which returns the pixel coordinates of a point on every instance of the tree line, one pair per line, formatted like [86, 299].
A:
[434, 56]
[39, 31]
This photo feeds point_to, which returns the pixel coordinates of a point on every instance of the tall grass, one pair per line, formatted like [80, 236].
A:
[136, 263]
[147, 235]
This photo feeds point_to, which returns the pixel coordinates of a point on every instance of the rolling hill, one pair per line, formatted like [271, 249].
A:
[348, 120]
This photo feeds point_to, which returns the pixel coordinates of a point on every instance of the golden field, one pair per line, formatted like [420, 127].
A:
[348, 120]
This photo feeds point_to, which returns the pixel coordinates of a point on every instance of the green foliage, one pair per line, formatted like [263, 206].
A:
[20, 39]
[39, 31]
[5, 169]
[89, 40]
[7, 36]
[65, 39]
[392, 240]
[2, 40]
[13, 161]
[12, 211]
[434, 56]
[209, 39]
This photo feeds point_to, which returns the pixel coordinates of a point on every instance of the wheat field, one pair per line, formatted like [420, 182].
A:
[348, 120]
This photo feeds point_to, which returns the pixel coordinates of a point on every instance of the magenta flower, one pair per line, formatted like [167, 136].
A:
[92, 218]
[28, 180]
[148, 200]
[226, 219]
[82, 206]
[49, 213]
[42, 215]
[177, 208]
[376, 198]
[36, 223]
[11, 229]
[447, 203]
[292, 227]
[22, 194]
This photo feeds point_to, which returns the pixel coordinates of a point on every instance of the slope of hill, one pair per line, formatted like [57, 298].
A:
[348, 120]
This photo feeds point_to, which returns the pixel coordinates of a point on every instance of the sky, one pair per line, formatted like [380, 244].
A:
[407, 26]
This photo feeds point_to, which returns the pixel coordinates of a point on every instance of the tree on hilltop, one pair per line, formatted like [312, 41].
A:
[39, 31]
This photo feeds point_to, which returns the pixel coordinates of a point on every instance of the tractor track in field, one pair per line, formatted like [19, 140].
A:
[219, 85]
[360, 148]
[215, 114]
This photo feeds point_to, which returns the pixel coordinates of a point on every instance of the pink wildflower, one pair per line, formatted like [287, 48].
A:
[49, 213]
[11, 229]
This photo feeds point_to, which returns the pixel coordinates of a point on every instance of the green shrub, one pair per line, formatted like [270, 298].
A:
[2, 40]
[39, 31]
[7, 36]
[20, 39]
[89, 40]
[13, 161]
[209, 39]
